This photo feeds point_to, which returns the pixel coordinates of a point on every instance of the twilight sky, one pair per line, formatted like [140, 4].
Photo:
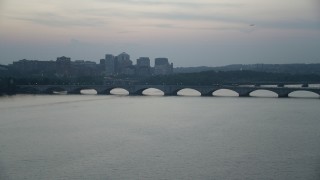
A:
[188, 32]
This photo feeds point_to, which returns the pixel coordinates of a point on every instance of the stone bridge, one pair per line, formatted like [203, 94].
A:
[168, 90]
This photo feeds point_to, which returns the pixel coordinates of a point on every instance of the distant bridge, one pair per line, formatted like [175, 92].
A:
[168, 90]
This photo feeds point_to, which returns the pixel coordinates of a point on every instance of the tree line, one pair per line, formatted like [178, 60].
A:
[231, 77]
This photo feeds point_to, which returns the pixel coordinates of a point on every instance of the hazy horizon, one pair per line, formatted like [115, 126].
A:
[195, 66]
[189, 33]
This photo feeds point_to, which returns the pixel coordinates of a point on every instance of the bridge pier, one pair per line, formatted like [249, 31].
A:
[170, 94]
[283, 95]
[244, 94]
[103, 92]
[74, 92]
[135, 94]
[206, 95]
[242, 91]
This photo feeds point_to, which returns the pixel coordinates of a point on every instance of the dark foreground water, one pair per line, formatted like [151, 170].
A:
[121, 137]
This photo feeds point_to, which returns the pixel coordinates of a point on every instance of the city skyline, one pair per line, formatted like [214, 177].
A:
[134, 61]
[209, 33]
[111, 65]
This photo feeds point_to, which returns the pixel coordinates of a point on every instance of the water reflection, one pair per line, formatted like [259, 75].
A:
[152, 92]
[225, 92]
[188, 92]
[263, 93]
[60, 92]
[304, 94]
[119, 91]
[88, 92]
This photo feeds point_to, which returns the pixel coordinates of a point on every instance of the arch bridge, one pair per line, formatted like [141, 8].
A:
[168, 90]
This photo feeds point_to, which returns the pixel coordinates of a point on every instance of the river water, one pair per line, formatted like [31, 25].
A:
[156, 137]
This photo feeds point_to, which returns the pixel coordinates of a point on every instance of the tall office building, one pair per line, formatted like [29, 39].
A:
[110, 64]
[161, 61]
[162, 66]
[143, 62]
[143, 67]
[63, 65]
[123, 57]
[123, 64]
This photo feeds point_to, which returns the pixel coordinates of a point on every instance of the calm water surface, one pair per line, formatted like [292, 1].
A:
[152, 137]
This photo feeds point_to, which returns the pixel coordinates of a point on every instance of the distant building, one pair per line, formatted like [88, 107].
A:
[110, 64]
[3, 71]
[161, 61]
[84, 68]
[102, 65]
[143, 62]
[123, 63]
[64, 59]
[63, 66]
[3, 68]
[143, 67]
[123, 57]
[33, 67]
[120, 64]
[162, 66]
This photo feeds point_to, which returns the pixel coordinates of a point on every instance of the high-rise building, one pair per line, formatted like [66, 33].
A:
[161, 61]
[123, 63]
[123, 57]
[162, 66]
[63, 65]
[34, 67]
[143, 67]
[110, 64]
[143, 62]
[85, 68]
[63, 60]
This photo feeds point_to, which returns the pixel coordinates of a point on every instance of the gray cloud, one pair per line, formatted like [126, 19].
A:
[233, 21]
[172, 3]
[57, 20]
[281, 24]
[244, 28]
[192, 17]
[173, 16]
[290, 24]
[126, 32]
[97, 17]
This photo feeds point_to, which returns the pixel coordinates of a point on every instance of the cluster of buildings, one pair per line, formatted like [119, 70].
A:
[109, 66]
[121, 64]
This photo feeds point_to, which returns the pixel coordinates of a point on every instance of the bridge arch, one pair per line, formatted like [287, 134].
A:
[139, 91]
[106, 91]
[54, 90]
[304, 93]
[188, 92]
[118, 91]
[225, 92]
[263, 93]
[152, 92]
[88, 91]
[148, 90]
[81, 90]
